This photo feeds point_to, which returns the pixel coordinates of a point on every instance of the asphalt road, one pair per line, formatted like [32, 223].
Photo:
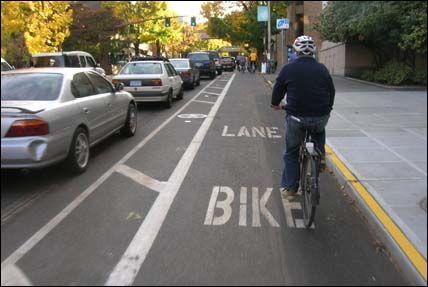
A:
[192, 199]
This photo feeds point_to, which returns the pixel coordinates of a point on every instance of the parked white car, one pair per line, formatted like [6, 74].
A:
[50, 115]
[151, 80]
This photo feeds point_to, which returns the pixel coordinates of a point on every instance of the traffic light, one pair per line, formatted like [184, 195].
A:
[193, 21]
[167, 22]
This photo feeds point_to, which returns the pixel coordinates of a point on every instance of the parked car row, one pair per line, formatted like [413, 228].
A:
[61, 106]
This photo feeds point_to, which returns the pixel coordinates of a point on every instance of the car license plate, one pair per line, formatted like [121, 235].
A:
[135, 83]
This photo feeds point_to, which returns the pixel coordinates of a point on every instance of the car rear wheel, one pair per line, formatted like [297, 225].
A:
[181, 93]
[168, 102]
[78, 155]
[130, 126]
[193, 84]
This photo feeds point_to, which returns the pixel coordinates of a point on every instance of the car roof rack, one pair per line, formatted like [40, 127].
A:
[149, 58]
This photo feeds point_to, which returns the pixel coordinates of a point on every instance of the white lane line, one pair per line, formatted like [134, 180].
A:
[141, 178]
[39, 235]
[128, 267]
[13, 276]
[204, 102]
[209, 93]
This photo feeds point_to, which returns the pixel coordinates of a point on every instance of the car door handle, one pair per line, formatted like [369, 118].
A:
[110, 105]
[86, 110]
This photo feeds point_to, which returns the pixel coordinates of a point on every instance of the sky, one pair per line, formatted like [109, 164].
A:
[187, 8]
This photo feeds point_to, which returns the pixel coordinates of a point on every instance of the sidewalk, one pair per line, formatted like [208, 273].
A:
[377, 146]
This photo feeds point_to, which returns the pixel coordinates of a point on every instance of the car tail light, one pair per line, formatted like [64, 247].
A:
[185, 74]
[27, 128]
[212, 64]
[156, 82]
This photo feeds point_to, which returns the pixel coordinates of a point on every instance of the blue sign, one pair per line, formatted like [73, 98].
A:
[282, 23]
[262, 14]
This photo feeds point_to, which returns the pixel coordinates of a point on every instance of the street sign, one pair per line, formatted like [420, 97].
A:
[262, 14]
[282, 23]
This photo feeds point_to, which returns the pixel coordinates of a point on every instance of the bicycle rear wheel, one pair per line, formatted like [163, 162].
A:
[310, 193]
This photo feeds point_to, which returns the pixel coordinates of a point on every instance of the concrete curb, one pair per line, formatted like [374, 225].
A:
[394, 88]
[401, 260]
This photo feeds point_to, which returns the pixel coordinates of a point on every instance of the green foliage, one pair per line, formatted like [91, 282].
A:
[368, 75]
[393, 74]
[393, 30]
[239, 25]
[31, 27]
[420, 77]
[91, 30]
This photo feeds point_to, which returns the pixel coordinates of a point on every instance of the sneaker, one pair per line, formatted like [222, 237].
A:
[288, 194]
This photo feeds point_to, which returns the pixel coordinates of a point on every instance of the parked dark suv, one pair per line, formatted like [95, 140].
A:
[204, 61]
[73, 59]
[217, 61]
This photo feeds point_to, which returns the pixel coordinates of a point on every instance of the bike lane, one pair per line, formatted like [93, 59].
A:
[229, 225]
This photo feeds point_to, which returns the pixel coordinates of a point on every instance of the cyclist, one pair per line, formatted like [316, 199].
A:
[242, 62]
[253, 59]
[310, 97]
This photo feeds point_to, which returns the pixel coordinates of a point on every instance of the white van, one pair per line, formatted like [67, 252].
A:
[73, 59]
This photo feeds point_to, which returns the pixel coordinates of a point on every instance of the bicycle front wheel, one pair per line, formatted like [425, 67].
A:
[310, 194]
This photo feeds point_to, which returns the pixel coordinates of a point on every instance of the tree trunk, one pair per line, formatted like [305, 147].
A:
[137, 48]
[158, 48]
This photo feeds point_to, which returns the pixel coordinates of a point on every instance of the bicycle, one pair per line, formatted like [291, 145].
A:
[242, 67]
[310, 163]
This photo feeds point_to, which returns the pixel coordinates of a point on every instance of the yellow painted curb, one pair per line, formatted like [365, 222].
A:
[400, 238]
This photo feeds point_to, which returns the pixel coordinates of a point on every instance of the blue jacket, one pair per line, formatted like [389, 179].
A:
[309, 87]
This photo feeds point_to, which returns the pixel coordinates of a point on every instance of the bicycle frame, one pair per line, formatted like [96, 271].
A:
[310, 149]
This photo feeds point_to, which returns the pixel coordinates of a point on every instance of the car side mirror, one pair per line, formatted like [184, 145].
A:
[98, 65]
[119, 87]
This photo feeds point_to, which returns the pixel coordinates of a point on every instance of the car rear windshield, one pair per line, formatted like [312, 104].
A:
[142, 69]
[180, 64]
[48, 61]
[30, 87]
[199, 57]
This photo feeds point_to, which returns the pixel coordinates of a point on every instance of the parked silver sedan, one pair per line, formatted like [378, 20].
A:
[51, 115]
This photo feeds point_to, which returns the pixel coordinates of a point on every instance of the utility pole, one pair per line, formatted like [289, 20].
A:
[269, 32]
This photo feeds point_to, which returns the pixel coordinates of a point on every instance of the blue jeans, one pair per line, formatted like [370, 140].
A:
[294, 136]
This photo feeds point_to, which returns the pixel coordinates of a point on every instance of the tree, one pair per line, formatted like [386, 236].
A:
[47, 25]
[236, 21]
[92, 31]
[13, 14]
[393, 30]
[32, 27]
[143, 31]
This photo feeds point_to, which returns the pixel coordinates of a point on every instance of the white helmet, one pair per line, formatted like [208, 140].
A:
[305, 45]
